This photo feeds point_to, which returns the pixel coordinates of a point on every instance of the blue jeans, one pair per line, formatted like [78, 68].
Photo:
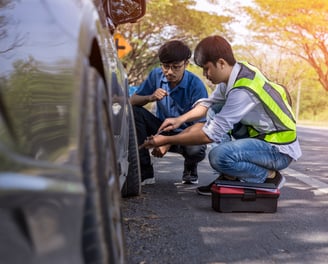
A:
[248, 159]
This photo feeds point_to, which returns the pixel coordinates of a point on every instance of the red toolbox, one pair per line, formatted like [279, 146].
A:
[232, 199]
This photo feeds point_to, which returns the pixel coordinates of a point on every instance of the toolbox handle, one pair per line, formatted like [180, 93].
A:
[249, 195]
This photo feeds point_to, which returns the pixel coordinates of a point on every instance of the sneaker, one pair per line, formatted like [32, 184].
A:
[190, 175]
[189, 179]
[279, 180]
[206, 189]
[147, 175]
[148, 181]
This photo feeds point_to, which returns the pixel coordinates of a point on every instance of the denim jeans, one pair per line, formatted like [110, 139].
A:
[248, 159]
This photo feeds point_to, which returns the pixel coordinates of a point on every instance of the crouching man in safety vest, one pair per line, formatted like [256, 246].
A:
[249, 119]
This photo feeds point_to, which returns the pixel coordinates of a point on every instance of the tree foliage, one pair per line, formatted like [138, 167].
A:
[18, 39]
[286, 39]
[309, 100]
[166, 20]
[298, 26]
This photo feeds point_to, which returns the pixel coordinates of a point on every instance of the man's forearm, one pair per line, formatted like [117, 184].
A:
[192, 135]
[140, 100]
[194, 114]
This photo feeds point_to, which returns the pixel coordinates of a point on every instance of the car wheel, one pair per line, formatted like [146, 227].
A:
[132, 185]
[102, 226]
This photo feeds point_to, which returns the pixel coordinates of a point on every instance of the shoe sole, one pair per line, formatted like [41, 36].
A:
[203, 193]
[282, 182]
[148, 181]
[190, 182]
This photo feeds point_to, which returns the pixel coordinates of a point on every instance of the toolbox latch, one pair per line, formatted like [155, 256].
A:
[249, 195]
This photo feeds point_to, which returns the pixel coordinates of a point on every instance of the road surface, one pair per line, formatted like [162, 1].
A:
[170, 223]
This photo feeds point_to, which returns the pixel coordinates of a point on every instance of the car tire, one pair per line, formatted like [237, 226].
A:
[132, 184]
[102, 240]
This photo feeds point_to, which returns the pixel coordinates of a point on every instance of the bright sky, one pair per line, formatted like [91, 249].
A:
[238, 27]
[204, 5]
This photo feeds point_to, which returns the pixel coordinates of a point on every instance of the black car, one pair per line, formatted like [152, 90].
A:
[68, 148]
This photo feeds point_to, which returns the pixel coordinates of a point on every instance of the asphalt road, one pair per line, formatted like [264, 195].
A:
[170, 223]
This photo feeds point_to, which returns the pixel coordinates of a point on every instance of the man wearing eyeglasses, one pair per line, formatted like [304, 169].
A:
[175, 90]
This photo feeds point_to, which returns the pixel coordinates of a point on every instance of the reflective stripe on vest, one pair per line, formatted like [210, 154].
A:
[275, 100]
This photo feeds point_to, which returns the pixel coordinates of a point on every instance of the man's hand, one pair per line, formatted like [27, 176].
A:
[153, 141]
[170, 124]
[159, 152]
[158, 95]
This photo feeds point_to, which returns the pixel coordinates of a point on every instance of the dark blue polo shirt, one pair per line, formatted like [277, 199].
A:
[180, 98]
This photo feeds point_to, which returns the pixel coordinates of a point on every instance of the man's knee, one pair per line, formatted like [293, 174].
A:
[138, 111]
[195, 153]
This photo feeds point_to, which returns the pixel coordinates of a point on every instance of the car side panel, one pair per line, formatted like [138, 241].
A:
[38, 67]
[41, 78]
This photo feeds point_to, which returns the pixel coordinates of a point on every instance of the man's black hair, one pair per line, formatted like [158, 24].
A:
[174, 51]
[212, 48]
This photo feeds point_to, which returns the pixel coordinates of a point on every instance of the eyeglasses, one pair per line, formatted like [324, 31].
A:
[173, 67]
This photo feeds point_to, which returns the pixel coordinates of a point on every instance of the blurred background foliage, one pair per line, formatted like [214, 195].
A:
[287, 40]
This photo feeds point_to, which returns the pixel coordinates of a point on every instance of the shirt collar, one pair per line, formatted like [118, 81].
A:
[233, 76]
[182, 84]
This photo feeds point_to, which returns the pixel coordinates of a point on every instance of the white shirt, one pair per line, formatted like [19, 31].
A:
[240, 105]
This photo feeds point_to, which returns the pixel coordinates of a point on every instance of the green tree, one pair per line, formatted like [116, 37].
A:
[286, 70]
[309, 101]
[165, 20]
[299, 27]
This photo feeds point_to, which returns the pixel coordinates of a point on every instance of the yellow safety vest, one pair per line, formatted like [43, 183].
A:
[276, 103]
